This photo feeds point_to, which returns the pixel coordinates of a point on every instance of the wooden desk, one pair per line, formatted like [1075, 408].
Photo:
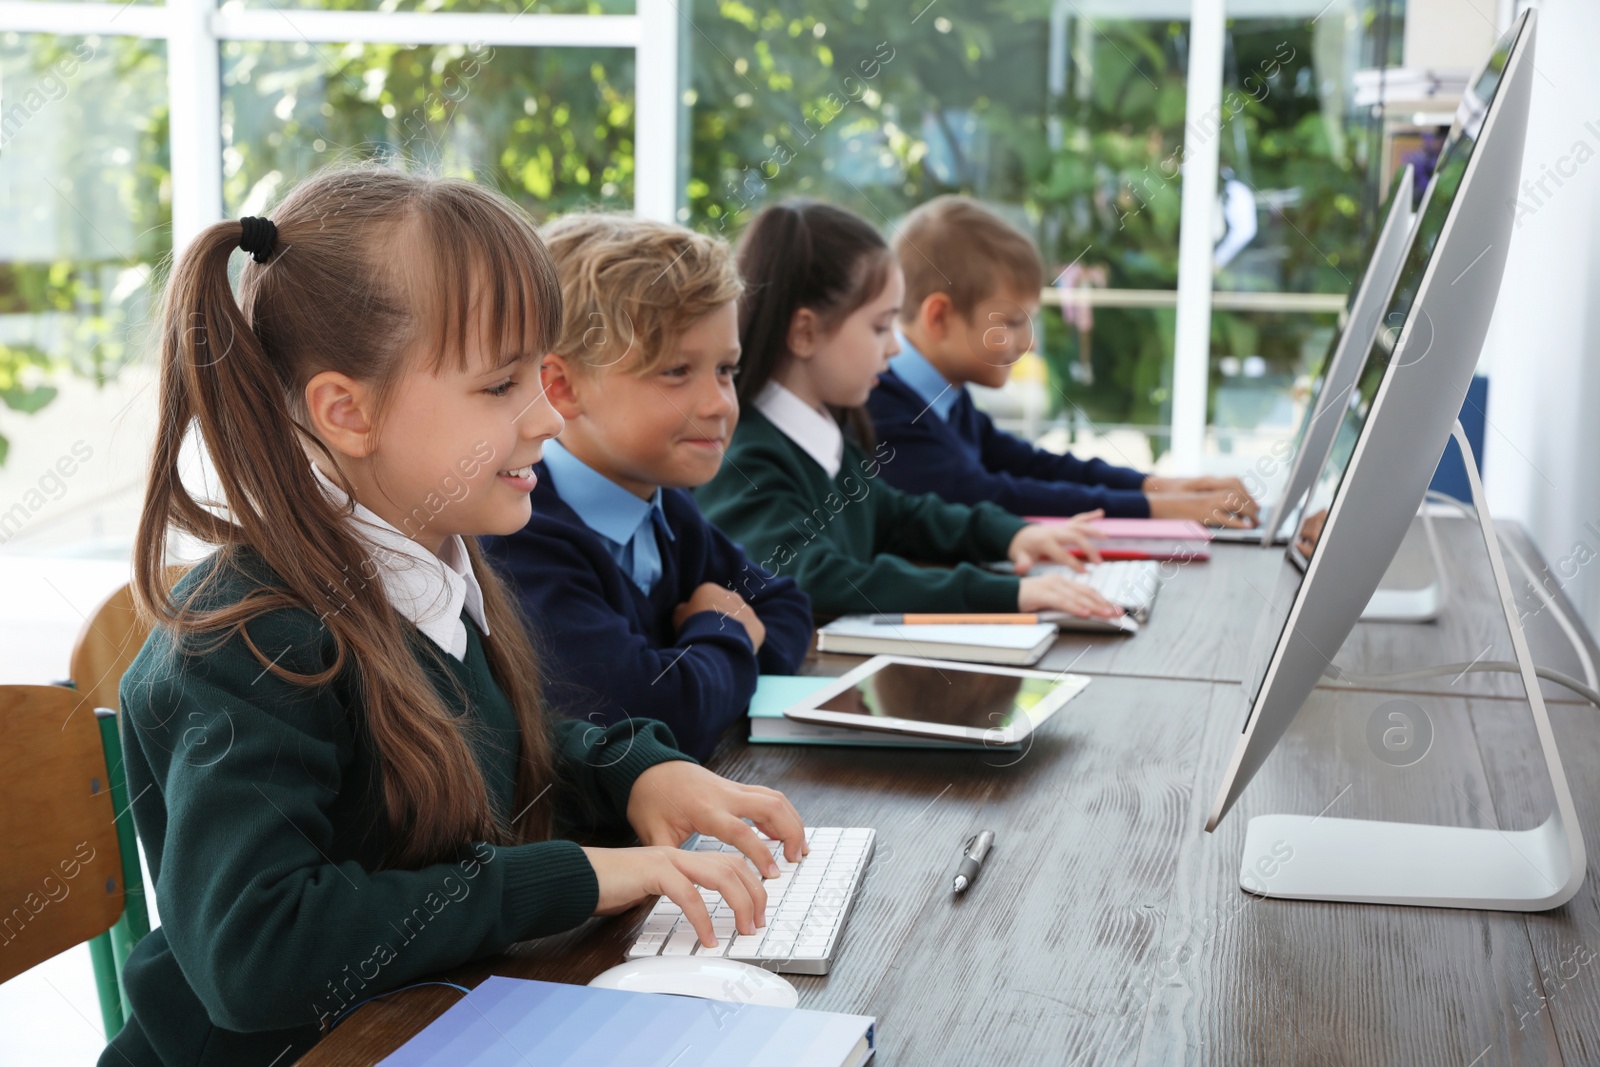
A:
[1108, 928]
[1205, 619]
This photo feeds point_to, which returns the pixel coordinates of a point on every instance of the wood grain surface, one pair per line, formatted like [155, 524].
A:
[1107, 927]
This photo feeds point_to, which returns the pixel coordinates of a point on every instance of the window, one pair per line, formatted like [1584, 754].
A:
[1071, 118]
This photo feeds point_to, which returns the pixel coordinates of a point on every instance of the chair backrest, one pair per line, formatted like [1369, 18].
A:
[110, 638]
[61, 873]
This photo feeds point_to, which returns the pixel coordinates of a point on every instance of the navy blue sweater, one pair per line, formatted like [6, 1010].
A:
[967, 461]
[613, 652]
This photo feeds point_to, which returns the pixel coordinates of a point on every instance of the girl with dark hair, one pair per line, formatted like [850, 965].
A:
[341, 769]
[800, 491]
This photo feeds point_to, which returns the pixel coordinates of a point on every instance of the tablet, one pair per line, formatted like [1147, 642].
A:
[938, 698]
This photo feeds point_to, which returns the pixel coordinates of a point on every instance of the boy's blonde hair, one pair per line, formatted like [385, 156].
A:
[955, 245]
[631, 288]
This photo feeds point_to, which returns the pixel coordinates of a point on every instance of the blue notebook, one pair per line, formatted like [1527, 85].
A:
[769, 725]
[515, 1022]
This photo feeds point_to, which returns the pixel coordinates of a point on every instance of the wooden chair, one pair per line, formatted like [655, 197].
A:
[71, 870]
[111, 637]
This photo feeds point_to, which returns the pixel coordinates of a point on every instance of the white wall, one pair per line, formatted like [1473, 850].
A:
[1543, 350]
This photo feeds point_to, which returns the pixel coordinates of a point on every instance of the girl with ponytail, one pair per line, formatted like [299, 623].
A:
[341, 768]
[800, 491]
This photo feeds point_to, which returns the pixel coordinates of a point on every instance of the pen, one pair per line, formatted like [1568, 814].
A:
[972, 860]
[1011, 618]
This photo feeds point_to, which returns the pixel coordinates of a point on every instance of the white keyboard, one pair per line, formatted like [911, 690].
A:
[1129, 582]
[1132, 583]
[806, 907]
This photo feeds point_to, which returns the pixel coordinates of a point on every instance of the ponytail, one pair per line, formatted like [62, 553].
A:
[235, 370]
[804, 254]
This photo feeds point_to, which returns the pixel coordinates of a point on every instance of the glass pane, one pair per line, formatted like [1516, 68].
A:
[552, 128]
[1119, 412]
[84, 219]
[514, 7]
[1302, 173]
[1060, 121]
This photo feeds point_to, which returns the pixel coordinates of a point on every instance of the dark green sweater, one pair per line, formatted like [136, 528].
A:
[260, 807]
[849, 540]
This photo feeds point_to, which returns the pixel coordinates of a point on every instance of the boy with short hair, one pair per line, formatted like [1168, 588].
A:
[972, 287]
[627, 584]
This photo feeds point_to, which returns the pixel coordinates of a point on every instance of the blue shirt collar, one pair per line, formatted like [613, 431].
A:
[913, 368]
[603, 505]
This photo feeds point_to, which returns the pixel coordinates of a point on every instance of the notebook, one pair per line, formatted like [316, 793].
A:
[1014, 645]
[513, 1022]
[776, 692]
[1182, 550]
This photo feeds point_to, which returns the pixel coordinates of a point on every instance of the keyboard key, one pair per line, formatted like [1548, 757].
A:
[746, 945]
[805, 908]
[682, 942]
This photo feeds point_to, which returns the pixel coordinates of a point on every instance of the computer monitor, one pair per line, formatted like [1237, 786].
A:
[1409, 389]
[1330, 392]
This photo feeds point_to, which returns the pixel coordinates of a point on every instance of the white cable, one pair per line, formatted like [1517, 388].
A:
[1479, 667]
[1573, 637]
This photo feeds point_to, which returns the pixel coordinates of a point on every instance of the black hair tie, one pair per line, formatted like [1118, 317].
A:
[258, 237]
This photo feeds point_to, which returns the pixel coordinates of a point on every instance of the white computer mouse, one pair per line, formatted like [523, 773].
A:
[701, 976]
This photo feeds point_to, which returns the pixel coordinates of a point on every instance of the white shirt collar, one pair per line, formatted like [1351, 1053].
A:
[428, 590]
[815, 432]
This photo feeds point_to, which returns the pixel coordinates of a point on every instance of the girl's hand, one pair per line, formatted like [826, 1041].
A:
[630, 875]
[1055, 541]
[672, 800]
[1057, 592]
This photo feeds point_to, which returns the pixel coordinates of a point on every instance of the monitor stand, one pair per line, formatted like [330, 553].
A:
[1404, 603]
[1371, 862]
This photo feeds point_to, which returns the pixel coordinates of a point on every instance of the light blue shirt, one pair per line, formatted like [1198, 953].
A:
[623, 521]
[913, 368]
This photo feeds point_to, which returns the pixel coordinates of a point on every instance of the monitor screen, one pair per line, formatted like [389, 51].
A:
[1396, 324]
[1381, 245]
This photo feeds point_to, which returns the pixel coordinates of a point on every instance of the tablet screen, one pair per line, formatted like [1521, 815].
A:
[946, 696]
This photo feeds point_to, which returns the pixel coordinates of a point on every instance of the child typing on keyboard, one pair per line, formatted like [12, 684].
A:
[640, 594]
[340, 765]
[972, 289]
[801, 488]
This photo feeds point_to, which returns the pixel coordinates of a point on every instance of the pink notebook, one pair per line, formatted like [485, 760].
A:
[1166, 529]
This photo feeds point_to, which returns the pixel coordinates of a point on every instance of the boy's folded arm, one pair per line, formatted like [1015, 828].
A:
[778, 600]
[255, 905]
[697, 685]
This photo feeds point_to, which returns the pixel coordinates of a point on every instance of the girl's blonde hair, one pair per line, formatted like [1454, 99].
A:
[632, 287]
[368, 264]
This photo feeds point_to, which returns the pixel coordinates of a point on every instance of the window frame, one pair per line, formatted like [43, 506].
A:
[194, 31]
